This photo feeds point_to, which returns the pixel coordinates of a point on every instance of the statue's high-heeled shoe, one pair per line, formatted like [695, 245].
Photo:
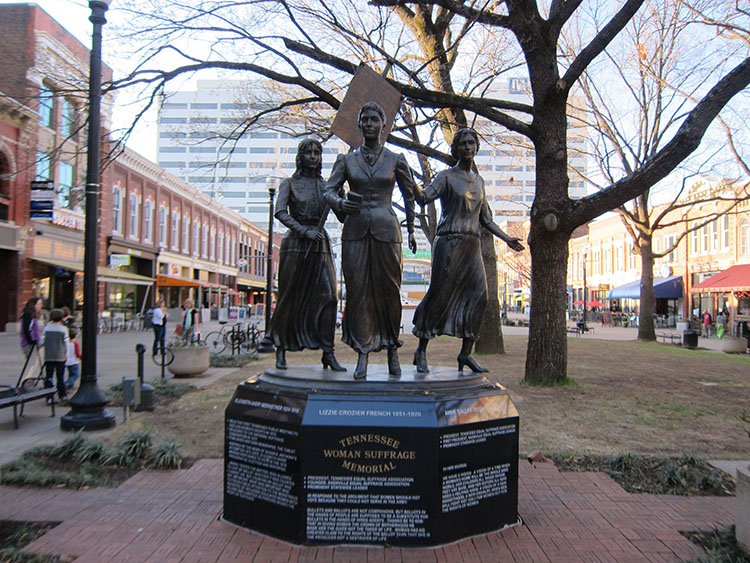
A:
[420, 360]
[361, 370]
[467, 360]
[329, 361]
[394, 366]
[280, 358]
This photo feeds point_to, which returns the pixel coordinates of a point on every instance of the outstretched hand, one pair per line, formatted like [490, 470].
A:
[413, 243]
[515, 244]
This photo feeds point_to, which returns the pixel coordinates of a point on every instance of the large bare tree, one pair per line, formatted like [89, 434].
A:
[650, 82]
[443, 58]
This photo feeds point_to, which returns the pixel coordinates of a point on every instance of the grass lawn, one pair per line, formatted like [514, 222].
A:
[627, 397]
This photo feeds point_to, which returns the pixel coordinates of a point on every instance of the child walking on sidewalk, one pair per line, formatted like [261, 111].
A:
[55, 338]
[74, 355]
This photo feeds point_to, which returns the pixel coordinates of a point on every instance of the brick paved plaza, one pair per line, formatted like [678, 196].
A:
[165, 516]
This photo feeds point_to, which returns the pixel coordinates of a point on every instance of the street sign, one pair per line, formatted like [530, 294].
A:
[241, 263]
[119, 260]
[42, 199]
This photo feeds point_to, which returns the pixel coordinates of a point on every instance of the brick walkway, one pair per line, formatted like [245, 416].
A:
[172, 516]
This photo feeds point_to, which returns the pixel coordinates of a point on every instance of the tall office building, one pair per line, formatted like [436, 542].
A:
[204, 140]
[506, 159]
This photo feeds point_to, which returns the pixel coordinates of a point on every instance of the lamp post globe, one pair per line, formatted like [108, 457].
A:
[88, 410]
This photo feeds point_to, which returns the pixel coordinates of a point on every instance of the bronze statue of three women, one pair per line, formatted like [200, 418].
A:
[371, 252]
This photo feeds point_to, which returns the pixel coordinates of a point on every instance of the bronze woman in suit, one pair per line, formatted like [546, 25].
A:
[371, 253]
[457, 295]
[305, 315]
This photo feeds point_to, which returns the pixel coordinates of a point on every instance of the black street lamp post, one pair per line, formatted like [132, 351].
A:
[266, 345]
[88, 412]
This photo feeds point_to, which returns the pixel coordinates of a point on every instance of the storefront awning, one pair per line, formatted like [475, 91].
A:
[110, 275]
[64, 264]
[664, 288]
[210, 285]
[171, 281]
[736, 278]
[244, 284]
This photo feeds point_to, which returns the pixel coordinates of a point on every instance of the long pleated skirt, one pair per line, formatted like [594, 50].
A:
[305, 315]
[372, 272]
[457, 296]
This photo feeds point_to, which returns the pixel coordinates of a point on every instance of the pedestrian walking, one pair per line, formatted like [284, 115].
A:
[706, 324]
[72, 361]
[159, 324]
[30, 325]
[55, 340]
[190, 322]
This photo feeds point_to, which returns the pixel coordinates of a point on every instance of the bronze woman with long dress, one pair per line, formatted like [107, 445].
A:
[456, 298]
[305, 315]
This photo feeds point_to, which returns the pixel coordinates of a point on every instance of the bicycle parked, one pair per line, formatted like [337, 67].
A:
[236, 337]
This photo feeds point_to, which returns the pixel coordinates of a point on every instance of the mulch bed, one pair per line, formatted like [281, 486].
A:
[684, 476]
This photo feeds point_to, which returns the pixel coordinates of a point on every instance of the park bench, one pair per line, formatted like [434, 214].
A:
[26, 389]
[675, 339]
[574, 330]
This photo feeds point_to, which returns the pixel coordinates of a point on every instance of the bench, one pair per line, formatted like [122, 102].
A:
[675, 339]
[26, 389]
[21, 397]
[574, 330]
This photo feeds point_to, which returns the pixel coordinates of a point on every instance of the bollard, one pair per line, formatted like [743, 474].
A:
[146, 402]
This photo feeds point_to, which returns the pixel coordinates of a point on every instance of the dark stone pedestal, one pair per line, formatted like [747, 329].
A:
[314, 457]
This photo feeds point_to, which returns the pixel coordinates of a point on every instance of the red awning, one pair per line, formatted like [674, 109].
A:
[736, 278]
[171, 281]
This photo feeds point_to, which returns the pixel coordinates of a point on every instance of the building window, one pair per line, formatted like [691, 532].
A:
[204, 241]
[46, 106]
[148, 217]
[186, 234]
[694, 237]
[196, 228]
[67, 118]
[43, 166]
[162, 226]
[175, 230]
[725, 231]
[117, 209]
[705, 238]
[669, 242]
[212, 247]
[221, 248]
[65, 186]
[715, 235]
[745, 238]
[134, 216]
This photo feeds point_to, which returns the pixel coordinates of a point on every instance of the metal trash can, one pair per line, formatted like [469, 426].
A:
[690, 339]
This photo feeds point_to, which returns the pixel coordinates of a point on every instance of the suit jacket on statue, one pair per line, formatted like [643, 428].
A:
[375, 184]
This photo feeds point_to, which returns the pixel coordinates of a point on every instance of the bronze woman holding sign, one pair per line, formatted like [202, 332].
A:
[457, 295]
[305, 315]
[371, 254]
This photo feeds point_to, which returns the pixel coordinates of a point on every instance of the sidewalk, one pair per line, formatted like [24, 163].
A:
[164, 516]
[116, 358]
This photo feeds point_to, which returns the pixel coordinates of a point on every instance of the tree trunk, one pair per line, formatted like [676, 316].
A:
[547, 354]
[490, 333]
[648, 297]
